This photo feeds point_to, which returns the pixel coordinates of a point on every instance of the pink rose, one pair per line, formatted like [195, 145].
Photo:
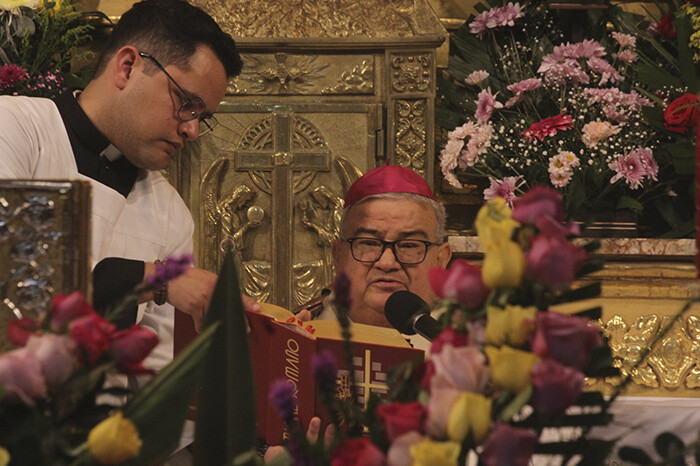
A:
[356, 452]
[130, 347]
[400, 418]
[462, 281]
[554, 261]
[566, 339]
[463, 368]
[538, 201]
[548, 226]
[441, 401]
[556, 387]
[67, 308]
[91, 333]
[508, 445]
[56, 353]
[20, 376]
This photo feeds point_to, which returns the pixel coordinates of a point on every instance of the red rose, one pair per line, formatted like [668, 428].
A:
[130, 347]
[91, 333]
[538, 201]
[67, 308]
[401, 418]
[462, 281]
[665, 27]
[448, 336]
[357, 451]
[19, 331]
[556, 387]
[508, 445]
[566, 339]
[553, 261]
[681, 114]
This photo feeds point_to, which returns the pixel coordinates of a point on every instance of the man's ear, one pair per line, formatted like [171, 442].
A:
[335, 252]
[124, 61]
[444, 254]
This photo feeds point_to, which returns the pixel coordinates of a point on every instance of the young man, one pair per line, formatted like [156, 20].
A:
[160, 78]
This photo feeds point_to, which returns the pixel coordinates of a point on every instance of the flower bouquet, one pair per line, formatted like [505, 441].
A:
[38, 40]
[52, 393]
[504, 379]
[526, 105]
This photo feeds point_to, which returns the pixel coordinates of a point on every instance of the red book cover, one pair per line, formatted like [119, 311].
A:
[282, 350]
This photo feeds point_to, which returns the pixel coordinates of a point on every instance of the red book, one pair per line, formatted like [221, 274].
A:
[283, 350]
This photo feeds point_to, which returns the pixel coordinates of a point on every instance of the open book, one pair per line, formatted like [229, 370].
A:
[281, 348]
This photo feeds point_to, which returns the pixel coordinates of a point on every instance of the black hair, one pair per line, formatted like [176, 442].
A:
[171, 30]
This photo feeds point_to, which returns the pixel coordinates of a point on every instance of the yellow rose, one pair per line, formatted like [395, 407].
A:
[494, 217]
[432, 453]
[511, 325]
[510, 367]
[503, 265]
[114, 440]
[504, 261]
[471, 413]
[4, 457]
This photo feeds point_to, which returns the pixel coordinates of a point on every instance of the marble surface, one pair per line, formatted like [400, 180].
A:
[639, 248]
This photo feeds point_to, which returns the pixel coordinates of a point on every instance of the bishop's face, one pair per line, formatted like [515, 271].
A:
[153, 133]
[373, 283]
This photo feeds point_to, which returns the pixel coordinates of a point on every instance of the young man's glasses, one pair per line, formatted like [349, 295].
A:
[192, 107]
[406, 251]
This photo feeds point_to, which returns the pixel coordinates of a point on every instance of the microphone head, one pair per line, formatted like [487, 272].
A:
[400, 309]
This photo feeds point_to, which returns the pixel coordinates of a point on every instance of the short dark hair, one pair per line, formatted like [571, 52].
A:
[171, 30]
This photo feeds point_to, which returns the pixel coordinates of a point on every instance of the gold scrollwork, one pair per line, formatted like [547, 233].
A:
[360, 80]
[316, 18]
[411, 134]
[280, 73]
[673, 363]
[411, 73]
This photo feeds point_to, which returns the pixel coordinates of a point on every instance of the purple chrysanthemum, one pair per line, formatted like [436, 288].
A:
[11, 74]
[282, 397]
[325, 370]
[504, 188]
[171, 268]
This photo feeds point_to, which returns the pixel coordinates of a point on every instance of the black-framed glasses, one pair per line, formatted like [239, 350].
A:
[406, 251]
[191, 107]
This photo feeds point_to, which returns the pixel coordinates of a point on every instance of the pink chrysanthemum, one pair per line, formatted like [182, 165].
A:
[561, 71]
[504, 188]
[548, 127]
[606, 70]
[525, 85]
[626, 56]
[485, 105]
[476, 77]
[11, 74]
[496, 17]
[634, 166]
[625, 40]
[466, 143]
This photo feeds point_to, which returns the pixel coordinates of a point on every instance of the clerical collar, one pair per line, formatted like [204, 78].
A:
[95, 156]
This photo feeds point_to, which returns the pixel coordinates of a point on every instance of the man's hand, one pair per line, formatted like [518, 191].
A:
[311, 435]
[191, 293]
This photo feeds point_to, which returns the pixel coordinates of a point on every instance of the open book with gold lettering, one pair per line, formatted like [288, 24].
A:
[281, 348]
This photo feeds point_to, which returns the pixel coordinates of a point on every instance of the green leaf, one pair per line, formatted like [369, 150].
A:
[226, 401]
[685, 54]
[158, 410]
[585, 292]
[516, 404]
[628, 202]
[593, 313]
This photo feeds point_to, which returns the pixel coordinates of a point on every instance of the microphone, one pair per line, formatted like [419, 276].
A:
[409, 314]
